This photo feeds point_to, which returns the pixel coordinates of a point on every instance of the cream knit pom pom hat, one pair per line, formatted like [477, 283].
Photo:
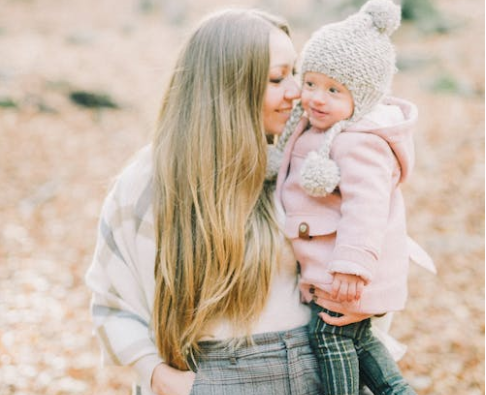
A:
[356, 52]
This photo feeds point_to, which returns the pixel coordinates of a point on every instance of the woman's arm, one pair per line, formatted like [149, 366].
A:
[367, 165]
[119, 278]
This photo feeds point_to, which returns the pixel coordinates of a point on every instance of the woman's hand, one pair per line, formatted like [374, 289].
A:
[347, 318]
[169, 381]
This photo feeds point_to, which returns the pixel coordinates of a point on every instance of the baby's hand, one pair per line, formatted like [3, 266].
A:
[347, 287]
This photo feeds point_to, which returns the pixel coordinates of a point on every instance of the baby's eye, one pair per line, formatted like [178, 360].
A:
[333, 90]
[309, 84]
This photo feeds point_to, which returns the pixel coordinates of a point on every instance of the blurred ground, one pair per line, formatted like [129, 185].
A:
[57, 159]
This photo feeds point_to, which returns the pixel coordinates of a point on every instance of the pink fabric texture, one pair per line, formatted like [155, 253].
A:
[360, 228]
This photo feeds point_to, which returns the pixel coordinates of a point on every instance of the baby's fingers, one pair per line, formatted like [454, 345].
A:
[351, 295]
[336, 288]
[359, 289]
[343, 294]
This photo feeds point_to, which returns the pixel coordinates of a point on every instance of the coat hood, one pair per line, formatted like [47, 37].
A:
[393, 120]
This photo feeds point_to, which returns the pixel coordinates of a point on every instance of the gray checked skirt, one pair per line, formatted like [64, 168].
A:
[280, 363]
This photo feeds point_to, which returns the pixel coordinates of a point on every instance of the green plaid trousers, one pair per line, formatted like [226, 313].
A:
[351, 354]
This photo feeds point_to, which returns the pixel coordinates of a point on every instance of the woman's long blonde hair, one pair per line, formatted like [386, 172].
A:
[216, 233]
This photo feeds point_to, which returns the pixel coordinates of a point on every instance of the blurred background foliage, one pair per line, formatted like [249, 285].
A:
[80, 86]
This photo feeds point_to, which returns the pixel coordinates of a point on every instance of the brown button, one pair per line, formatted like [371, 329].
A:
[304, 230]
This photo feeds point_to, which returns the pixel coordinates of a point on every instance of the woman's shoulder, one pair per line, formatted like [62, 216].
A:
[135, 178]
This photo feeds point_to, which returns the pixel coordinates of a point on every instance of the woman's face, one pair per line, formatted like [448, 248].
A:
[282, 89]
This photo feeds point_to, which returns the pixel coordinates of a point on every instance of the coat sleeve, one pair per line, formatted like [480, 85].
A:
[120, 307]
[366, 163]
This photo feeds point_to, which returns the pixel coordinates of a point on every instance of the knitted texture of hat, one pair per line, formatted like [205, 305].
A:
[357, 53]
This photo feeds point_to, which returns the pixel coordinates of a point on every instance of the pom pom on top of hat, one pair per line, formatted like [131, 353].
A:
[385, 15]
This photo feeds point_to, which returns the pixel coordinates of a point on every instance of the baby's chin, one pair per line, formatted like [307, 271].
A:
[319, 124]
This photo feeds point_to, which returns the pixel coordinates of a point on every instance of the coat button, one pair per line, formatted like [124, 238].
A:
[304, 231]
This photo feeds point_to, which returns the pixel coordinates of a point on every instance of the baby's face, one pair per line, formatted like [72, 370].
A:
[325, 100]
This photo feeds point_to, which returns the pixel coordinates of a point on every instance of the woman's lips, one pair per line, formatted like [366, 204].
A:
[284, 113]
[285, 110]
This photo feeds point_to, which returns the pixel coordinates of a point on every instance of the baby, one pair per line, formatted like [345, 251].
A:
[345, 151]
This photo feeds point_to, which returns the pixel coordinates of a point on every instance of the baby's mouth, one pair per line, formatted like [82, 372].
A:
[319, 113]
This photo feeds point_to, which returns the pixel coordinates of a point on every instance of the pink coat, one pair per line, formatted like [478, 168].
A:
[361, 228]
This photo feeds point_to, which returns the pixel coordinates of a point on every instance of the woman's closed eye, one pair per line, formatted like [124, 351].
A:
[276, 80]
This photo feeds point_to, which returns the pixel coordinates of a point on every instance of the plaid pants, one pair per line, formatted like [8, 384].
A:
[278, 363]
[351, 354]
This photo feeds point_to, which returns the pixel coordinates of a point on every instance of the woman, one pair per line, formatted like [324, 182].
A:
[191, 271]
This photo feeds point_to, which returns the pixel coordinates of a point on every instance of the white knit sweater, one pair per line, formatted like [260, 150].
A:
[121, 278]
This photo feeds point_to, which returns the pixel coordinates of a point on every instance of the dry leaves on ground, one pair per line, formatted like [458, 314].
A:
[57, 160]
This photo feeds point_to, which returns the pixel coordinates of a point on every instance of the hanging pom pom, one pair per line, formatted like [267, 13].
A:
[385, 15]
[319, 175]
